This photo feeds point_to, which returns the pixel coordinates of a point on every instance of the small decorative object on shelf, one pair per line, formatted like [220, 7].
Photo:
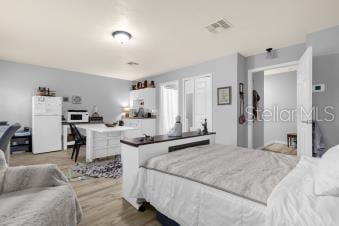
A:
[44, 91]
[176, 131]
[139, 85]
[204, 124]
[143, 85]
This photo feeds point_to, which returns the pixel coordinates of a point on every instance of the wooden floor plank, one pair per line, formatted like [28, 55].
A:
[100, 198]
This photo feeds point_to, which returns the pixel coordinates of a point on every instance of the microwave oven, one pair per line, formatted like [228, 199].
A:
[77, 116]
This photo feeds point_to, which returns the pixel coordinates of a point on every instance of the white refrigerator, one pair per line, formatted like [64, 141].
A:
[46, 124]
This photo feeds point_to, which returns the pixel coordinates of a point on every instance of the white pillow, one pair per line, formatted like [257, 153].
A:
[327, 174]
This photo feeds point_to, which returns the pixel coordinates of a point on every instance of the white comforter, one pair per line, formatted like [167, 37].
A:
[293, 201]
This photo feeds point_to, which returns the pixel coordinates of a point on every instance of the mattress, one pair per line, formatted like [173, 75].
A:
[251, 174]
[212, 185]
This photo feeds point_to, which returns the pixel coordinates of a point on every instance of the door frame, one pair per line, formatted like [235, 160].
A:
[210, 75]
[176, 82]
[250, 90]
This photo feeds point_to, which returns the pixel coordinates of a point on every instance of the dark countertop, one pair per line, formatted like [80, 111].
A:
[67, 123]
[136, 142]
[139, 118]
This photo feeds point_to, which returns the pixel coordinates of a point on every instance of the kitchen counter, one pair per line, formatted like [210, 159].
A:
[140, 118]
[101, 128]
[76, 123]
[135, 152]
[136, 142]
[102, 141]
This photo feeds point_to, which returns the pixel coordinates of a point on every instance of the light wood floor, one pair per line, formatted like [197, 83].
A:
[100, 198]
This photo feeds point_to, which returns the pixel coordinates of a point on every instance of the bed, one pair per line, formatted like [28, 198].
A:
[226, 185]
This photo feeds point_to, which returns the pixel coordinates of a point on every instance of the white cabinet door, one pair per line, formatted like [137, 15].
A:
[149, 98]
[46, 134]
[147, 126]
[133, 95]
[143, 95]
[134, 123]
[144, 126]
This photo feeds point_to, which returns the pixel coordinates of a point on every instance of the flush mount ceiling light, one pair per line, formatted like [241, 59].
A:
[122, 36]
[132, 63]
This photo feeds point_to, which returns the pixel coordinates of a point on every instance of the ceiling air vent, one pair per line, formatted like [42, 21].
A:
[132, 63]
[218, 26]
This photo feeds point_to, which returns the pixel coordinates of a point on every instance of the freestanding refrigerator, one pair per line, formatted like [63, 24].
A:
[46, 124]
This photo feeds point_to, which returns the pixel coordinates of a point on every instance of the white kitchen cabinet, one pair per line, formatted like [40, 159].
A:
[146, 95]
[143, 126]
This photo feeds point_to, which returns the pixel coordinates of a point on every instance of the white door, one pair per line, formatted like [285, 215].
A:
[169, 105]
[304, 103]
[197, 102]
[203, 102]
[188, 117]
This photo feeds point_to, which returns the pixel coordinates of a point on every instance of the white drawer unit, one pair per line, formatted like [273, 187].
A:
[143, 126]
[101, 141]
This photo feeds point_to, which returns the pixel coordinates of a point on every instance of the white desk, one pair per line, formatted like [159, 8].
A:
[102, 141]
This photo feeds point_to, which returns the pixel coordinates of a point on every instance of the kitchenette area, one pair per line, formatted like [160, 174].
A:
[138, 119]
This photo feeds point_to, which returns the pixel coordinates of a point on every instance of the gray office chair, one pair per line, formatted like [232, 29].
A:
[6, 138]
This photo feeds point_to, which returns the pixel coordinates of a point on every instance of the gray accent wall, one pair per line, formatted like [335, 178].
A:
[18, 83]
[280, 92]
[283, 55]
[326, 70]
[224, 73]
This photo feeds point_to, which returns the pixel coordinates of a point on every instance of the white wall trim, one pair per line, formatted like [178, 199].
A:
[250, 90]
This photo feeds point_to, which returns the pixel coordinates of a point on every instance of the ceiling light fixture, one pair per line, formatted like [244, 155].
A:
[132, 63]
[122, 36]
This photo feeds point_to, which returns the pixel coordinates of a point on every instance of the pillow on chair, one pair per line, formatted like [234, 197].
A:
[327, 174]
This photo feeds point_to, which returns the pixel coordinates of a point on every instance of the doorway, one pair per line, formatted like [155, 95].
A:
[276, 104]
[304, 101]
[169, 105]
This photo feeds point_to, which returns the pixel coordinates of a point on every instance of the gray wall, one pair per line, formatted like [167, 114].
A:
[242, 78]
[224, 73]
[283, 55]
[18, 83]
[280, 91]
[326, 70]
[258, 125]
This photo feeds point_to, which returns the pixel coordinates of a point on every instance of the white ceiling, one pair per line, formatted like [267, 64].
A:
[167, 34]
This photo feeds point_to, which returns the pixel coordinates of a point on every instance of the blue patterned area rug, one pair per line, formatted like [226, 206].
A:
[108, 169]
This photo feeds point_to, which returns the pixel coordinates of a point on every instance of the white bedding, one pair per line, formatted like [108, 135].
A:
[190, 203]
[292, 201]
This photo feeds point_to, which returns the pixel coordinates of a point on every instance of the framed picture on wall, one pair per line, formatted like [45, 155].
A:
[224, 95]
